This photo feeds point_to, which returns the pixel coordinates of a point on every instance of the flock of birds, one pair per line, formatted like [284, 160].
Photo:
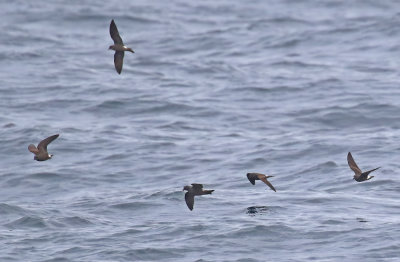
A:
[41, 153]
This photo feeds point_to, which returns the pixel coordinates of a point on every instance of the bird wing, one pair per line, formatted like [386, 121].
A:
[43, 144]
[33, 149]
[118, 60]
[366, 173]
[115, 34]
[189, 198]
[197, 186]
[264, 179]
[353, 165]
[252, 178]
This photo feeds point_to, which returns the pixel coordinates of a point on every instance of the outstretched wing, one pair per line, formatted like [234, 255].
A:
[115, 34]
[197, 186]
[353, 165]
[366, 173]
[189, 198]
[43, 144]
[33, 149]
[118, 60]
[264, 179]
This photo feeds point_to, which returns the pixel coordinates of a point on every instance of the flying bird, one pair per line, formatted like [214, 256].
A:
[118, 46]
[359, 176]
[257, 176]
[40, 152]
[194, 190]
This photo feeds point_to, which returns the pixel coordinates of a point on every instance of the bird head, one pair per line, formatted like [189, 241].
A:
[50, 156]
[110, 47]
[186, 188]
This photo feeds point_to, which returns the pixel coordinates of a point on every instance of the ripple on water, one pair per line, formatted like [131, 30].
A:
[8, 209]
[27, 222]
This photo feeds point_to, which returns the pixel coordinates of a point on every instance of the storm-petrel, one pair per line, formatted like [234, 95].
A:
[118, 46]
[359, 176]
[194, 190]
[257, 176]
[40, 152]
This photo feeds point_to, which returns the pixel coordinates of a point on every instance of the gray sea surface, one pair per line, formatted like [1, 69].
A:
[215, 89]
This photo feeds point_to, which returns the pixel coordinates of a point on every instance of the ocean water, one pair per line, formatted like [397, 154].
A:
[215, 89]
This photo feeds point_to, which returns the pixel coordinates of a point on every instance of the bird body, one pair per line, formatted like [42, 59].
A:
[118, 47]
[40, 151]
[121, 48]
[257, 176]
[194, 190]
[359, 176]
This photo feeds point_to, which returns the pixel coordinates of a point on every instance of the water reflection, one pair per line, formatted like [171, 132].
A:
[253, 210]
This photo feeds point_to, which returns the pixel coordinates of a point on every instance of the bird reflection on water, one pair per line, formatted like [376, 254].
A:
[254, 210]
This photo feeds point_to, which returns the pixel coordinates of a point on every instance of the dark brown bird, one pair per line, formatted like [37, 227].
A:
[118, 46]
[40, 152]
[194, 190]
[257, 176]
[359, 176]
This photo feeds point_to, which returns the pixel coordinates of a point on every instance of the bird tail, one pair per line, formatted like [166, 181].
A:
[208, 191]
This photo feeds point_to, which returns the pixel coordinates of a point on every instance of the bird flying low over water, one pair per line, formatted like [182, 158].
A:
[194, 190]
[118, 46]
[257, 176]
[359, 176]
[40, 152]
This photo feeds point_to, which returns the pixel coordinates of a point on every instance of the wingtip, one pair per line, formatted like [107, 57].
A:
[55, 136]
[272, 188]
